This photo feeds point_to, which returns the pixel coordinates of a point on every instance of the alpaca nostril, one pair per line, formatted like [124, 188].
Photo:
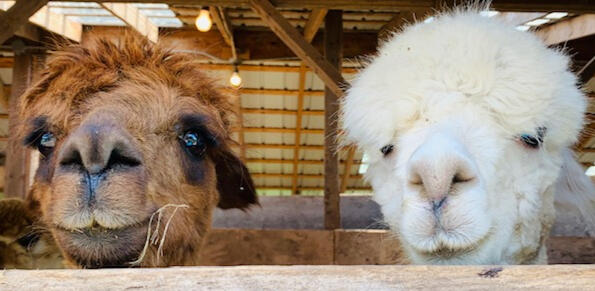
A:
[437, 204]
[96, 148]
[119, 158]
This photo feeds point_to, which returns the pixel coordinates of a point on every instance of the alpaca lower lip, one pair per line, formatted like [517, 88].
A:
[98, 247]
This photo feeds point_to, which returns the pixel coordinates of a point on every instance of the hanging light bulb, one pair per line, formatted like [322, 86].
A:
[235, 80]
[203, 21]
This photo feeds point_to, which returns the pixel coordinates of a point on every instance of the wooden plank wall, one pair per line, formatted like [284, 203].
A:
[229, 247]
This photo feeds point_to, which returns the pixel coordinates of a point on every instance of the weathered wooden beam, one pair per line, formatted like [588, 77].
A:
[45, 19]
[224, 26]
[333, 38]
[573, 6]
[313, 24]
[347, 170]
[298, 127]
[565, 30]
[518, 18]
[587, 71]
[131, 15]
[17, 156]
[17, 15]
[240, 121]
[296, 42]
[57, 23]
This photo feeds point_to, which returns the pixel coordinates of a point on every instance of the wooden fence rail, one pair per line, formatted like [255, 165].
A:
[557, 277]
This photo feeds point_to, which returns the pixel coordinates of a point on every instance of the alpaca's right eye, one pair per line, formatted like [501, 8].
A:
[194, 143]
[387, 149]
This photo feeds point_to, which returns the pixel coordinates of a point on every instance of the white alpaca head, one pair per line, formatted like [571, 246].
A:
[478, 116]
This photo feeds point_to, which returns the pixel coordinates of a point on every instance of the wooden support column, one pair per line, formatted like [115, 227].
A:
[347, 169]
[17, 156]
[333, 44]
[298, 128]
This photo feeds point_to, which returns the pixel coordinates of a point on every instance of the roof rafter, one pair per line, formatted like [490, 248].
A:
[573, 6]
[223, 24]
[16, 16]
[132, 16]
[573, 28]
[296, 42]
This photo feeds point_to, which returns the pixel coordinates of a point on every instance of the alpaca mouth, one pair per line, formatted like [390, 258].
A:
[445, 246]
[100, 247]
[446, 252]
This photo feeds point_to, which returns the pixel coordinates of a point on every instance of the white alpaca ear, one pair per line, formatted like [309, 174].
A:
[574, 199]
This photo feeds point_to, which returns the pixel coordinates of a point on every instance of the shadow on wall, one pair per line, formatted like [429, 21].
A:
[301, 212]
[357, 212]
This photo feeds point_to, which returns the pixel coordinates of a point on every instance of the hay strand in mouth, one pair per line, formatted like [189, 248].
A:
[152, 237]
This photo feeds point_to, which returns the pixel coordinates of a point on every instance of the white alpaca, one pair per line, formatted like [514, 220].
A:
[467, 123]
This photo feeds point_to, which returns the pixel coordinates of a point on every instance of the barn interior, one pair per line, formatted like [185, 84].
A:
[280, 62]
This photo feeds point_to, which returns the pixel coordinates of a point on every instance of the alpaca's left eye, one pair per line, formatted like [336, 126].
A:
[46, 143]
[530, 141]
[194, 143]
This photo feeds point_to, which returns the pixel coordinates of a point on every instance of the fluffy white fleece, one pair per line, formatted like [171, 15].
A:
[463, 89]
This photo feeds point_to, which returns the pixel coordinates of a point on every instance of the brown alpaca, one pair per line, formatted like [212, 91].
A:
[135, 151]
[21, 245]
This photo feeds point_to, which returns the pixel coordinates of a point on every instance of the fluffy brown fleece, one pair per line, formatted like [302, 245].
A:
[137, 100]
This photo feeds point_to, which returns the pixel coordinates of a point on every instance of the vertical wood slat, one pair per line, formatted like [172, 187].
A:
[347, 169]
[333, 44]
[298, 127]
[17, 156]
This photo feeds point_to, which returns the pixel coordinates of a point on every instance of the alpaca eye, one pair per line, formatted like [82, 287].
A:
[48, 140]
[194, 143]
[530, 141]
[387, 149]
[46, 143]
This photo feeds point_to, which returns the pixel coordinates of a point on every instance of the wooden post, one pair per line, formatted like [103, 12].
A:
[333, 51]
[17, 156]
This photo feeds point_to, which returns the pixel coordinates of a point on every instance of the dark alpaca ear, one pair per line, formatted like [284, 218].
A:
[236, 189]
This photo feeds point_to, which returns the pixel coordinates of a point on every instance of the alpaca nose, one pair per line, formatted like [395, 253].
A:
[97, 146]
[440, 167]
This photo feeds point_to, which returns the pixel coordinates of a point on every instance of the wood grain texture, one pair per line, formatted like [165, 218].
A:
[574, 6]
[333, 53]
[16, 16]
[343, 247]
[561, 277]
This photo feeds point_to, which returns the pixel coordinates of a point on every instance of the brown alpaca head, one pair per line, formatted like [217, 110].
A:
[135, 144]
